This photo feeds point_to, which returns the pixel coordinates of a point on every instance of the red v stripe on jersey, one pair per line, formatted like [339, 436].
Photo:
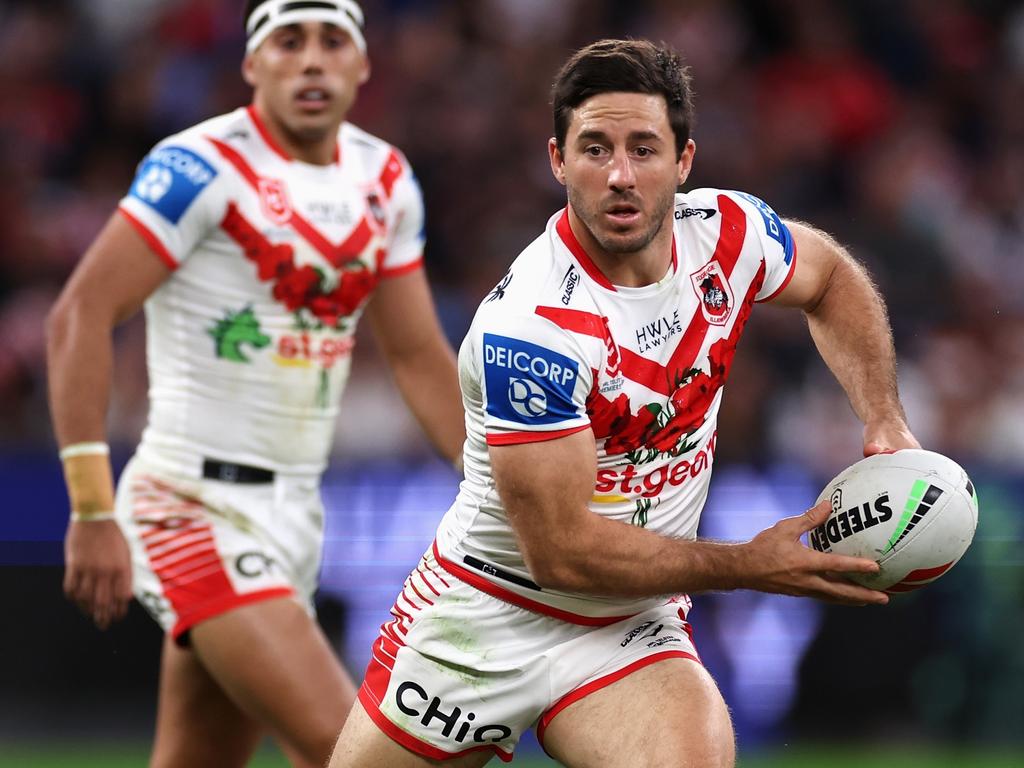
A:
[635, 367]
[727, 252]
[339, 254]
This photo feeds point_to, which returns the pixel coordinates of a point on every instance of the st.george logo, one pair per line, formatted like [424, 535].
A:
[527, 398]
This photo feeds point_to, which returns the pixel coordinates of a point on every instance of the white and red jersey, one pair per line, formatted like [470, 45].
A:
[249, 341]
[556, 348]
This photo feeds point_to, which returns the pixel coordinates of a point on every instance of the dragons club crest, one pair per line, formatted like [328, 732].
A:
[714, 292]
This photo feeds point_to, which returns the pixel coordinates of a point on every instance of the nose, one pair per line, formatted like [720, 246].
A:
[312, 57]
[621, 175]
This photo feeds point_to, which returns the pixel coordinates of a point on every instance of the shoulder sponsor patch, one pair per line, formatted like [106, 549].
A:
[169, 179]
[773, 225]
[528, 383]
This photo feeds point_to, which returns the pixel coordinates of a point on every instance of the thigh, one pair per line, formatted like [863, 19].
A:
[197, 724]
[363, 745]
[275, 664]
[669, 714]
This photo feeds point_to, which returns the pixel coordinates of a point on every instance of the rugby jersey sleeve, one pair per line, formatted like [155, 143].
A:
[534, 379]
[777, 246]
[405, 238]
[177, 197]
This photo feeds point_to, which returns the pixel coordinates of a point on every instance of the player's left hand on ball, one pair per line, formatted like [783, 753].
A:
[98, 576]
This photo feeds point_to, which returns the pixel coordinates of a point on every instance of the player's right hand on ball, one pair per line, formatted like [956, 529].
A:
[98, 575]
[783, 565]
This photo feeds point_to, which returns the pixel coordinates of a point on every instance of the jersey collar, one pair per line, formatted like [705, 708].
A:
[261, 128]
[568, 237]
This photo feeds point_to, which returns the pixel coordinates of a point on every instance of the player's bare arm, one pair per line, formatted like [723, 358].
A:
[408, 333]
[850, 327]
[545, 487]
[113, 279]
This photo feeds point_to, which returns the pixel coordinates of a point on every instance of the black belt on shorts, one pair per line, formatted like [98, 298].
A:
[227, 472]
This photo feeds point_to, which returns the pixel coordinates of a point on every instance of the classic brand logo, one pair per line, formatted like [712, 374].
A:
[685, 213]
[714, 292]
[572, 277]
[274, 201]
[527, 383]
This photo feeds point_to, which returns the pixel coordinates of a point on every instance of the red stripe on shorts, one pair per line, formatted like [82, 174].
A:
[183, 555]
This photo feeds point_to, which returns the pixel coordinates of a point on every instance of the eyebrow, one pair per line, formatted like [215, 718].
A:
[634, 136]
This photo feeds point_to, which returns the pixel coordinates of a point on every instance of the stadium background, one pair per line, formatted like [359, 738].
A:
[898, 126]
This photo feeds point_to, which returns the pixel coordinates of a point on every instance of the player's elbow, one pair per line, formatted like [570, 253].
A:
[556, 567]
[76, 316]
[59, 321]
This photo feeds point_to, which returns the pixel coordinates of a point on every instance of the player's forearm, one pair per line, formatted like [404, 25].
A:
[850, 328]
[607, 557]
[79, 358]
[429, 383]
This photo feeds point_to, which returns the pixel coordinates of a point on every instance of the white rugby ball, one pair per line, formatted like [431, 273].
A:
[912, 511]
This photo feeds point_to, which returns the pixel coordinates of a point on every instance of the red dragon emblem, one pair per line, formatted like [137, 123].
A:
[714, 292]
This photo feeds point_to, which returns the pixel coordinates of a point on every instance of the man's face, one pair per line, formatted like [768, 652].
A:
[620, 168]
[306, 77]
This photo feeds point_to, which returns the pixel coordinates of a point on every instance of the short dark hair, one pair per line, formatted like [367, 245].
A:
[633, 66]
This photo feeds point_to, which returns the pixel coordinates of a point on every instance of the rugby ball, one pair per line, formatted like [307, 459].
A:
[912, 511]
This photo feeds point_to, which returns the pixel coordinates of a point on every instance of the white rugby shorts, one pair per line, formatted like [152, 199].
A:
[457, 670]
[203, 547]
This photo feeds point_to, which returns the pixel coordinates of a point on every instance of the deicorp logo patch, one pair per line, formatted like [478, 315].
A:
[169, 179]
[527, 383]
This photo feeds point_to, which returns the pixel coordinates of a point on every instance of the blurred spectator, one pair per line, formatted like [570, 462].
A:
[898, 125]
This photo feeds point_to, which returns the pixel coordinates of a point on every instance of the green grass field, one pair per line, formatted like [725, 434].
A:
[113, 756]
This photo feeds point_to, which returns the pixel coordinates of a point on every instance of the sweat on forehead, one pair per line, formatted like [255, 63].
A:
[269, 15]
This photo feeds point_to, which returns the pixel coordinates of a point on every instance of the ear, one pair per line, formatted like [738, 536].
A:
[364, 72]
[249, 70]
[686, 161]
[557, 161]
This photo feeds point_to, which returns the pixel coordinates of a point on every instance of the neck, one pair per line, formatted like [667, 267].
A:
[629, 270]
[316, 151]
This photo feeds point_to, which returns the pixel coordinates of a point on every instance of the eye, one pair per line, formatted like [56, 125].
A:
[336, 41]
[594, 150]
[643, 151]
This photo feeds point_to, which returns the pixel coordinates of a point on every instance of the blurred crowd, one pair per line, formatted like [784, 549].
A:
[897, 126]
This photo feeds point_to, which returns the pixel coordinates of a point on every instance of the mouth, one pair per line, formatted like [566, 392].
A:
[622, 214]
[312, 99]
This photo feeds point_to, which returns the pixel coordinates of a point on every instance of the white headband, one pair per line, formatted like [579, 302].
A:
[268, 16]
